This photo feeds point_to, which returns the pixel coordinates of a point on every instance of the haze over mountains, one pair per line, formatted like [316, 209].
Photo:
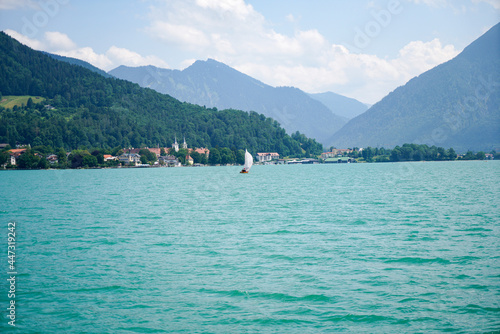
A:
[456, 104]
[214, 84]
[341, 105]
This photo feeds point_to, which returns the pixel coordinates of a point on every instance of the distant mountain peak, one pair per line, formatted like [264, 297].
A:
[214, 84]
[456, 104]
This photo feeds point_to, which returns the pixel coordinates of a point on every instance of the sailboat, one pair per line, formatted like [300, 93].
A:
[248, 163]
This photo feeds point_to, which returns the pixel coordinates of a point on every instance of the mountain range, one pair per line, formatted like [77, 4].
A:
[214, 84]
[456, 104]
[82, 108]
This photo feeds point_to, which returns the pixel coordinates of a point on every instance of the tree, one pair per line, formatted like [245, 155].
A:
[27, 160]
[368, 154]
[76, 158]
[4, 157]
[196, 157]
[43, 164]
[30, 103]
[451, 154]
[395, 154]
[226, 156]
[62, 158]
[99, 156]
[214, 157]
[441, 153]
[469, 156]
[480, 155]
[240, 157]
[149, 156]
[89, 161]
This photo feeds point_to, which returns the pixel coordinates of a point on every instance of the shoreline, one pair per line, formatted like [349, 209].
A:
[202, 166]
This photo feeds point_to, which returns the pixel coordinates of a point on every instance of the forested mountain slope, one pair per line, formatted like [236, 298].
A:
[456, 104]
[87, 109]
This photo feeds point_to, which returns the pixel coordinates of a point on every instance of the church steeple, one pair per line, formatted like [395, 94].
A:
[184, 145]
[175, 145]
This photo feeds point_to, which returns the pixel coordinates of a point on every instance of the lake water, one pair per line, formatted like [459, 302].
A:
[354, 248]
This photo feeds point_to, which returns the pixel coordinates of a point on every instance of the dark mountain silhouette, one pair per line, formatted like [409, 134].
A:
[456, 104]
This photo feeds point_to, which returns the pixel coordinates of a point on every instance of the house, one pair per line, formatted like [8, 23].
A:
[52, 159]
[132, 150]
[14, 154]
[264, 157]
[335, 153]
[189, 160]
[3, 145]
[170, 161]
[130, 158]
[155, 150]
[109, 157]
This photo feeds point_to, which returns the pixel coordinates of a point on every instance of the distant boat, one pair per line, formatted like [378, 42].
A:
[248, 163]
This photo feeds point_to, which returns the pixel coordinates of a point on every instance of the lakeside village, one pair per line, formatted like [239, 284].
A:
[25, 157]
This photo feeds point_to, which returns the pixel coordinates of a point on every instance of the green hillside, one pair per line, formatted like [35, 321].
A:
[11, 101]
[94, 111]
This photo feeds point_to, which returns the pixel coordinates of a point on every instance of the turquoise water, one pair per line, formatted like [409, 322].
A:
[375, 248]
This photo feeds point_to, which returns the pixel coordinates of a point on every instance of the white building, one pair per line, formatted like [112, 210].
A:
[175, 145]
[264, 157]
[130, 158]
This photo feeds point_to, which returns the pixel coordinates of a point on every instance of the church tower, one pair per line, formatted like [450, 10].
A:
[184, 145]
[175, 145]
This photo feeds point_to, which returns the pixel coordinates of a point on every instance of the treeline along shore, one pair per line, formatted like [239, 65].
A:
[45, 157]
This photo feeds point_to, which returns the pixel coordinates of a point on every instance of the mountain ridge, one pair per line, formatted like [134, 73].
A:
[89, 110]
[215, 84]
[455, 104]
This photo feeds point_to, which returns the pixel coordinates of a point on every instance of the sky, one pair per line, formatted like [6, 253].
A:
[362, 49]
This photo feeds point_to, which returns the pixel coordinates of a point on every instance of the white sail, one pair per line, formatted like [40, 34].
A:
[248, 161]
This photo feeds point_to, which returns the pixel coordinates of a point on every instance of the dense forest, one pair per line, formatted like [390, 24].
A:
[85, 109]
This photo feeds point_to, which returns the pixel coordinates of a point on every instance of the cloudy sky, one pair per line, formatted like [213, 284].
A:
[359, 48]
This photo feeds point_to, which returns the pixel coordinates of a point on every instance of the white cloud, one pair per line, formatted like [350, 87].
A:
[126, 57]
[183, 35]
[60, 43]
[234, 33]
[89, 55]
[32, 43]
[236, 8]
